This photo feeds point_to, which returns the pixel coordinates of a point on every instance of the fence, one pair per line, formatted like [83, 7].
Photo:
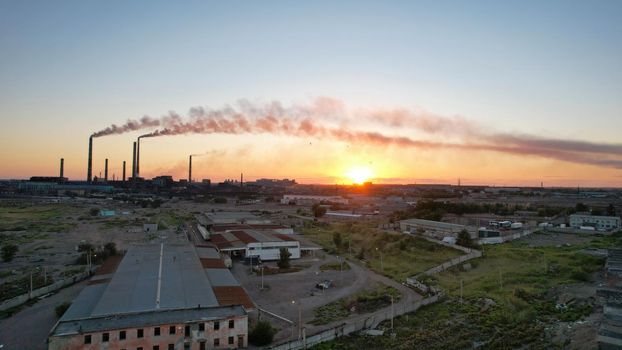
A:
[365, 322]
[20, 299]
[373, 320]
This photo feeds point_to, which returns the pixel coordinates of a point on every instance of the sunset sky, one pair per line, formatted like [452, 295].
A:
[503, 93]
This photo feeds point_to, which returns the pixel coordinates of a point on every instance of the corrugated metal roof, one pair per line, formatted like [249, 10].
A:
[134, 287]
[221, 277]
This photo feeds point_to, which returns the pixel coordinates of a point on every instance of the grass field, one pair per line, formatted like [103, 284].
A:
[40, 218]
[395, 255]
[370, 299]
[507, 301]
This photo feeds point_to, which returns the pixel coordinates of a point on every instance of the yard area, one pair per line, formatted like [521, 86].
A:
[509, 300]
[392, 254]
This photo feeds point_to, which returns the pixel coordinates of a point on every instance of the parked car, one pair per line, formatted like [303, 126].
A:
[324, 284]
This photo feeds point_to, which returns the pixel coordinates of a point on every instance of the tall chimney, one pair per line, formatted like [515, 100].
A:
[241, 179]
[138, 157]
[89, 169]
[123, 171]
[62, 169]
[106, 170]
[190, 170]
[134, 163]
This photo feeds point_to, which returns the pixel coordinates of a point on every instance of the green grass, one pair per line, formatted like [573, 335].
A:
[335, 266]
[368, 300]
[37, 218]
[517, 278]
[402, 255]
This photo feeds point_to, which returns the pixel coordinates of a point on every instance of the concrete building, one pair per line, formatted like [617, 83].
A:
[160, 297]
[608, 223]
[301, 199]
[250, 242]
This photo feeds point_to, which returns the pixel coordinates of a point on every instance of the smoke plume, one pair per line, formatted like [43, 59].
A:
[328, 118]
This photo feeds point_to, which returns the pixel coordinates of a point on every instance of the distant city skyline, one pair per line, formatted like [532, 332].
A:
[517, 93]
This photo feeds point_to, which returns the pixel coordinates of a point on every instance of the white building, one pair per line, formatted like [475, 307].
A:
[608, 223]
[302, 199]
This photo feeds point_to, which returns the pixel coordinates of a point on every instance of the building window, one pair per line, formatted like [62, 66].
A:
[156, 331]
[216, 326]
[231, 324]
[231, 341]
[139, 333]
[122, 335]
[187, 331]
[87, 339]
[171, 330]
[216, 342]
[105, 337]
[139, 348]
[156, 347]
[171, 346]
[202, 345]
[201, 327]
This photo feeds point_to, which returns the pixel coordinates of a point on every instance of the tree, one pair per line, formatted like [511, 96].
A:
[611, 210]
[94, 211]
[110, 249]
[8, 252]
[220, 200]
[337, 239]
[464, 239]
[284, 255]
[318, 210]
[581, 207]
[262, 334]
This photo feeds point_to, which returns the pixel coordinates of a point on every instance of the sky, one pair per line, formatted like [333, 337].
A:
[543, 78]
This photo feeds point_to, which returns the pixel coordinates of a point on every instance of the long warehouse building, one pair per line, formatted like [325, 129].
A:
[161, 296]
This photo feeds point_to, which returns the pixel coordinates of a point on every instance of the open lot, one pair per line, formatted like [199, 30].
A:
[392, 254]
[508, 299]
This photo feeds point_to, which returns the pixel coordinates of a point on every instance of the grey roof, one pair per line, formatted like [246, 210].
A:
[153, 318]
[134, 286]
[221, 277]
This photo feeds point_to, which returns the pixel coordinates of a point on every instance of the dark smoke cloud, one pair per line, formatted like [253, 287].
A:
[328, 118]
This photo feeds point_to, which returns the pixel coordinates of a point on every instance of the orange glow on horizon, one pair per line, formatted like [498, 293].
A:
[359, 174]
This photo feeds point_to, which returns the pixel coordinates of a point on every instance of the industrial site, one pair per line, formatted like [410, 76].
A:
[322, 175]
[135, 263]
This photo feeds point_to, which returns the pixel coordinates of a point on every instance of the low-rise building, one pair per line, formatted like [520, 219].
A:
[161, 296]
[437, 229]
[302, 199]
[608, 223]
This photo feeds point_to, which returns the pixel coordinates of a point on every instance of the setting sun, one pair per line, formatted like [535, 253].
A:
[359, 175]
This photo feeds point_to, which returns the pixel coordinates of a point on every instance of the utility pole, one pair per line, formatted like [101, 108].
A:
[461, 289]
[262, 278]
[392, 313]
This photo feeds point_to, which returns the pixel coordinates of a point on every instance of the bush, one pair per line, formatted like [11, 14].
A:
[60, 309]
[318, 210]
[262, 334]
[94, 211]
[220, 200]
[8, 252]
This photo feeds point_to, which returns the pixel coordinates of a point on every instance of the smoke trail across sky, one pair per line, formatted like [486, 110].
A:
[328, 118]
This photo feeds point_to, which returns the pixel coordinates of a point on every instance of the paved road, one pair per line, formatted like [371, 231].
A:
[28, 329]
[298, 286]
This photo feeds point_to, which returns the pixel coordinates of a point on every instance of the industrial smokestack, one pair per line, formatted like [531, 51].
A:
[62, 168]
[123, 171]
[138, 157]
[134, 163]
[190, 170]
[106, 170]
[89, 169]
[241, 179]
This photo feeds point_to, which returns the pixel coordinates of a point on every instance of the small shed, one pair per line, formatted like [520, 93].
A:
[150, 227]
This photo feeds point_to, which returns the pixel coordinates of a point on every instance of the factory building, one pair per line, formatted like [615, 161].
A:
[301, 199]
[257, 243]
[161, 296]
[233, 217]
[608, 223]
